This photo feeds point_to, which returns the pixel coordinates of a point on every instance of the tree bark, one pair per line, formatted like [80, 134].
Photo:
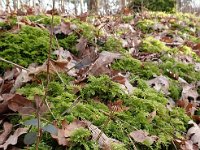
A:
[15, 7]
[106, 7]
[93, 6]
[75, 7]
[122, 4]
[1, 7]
[81, 5]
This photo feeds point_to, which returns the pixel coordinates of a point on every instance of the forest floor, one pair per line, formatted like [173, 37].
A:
[111, 82]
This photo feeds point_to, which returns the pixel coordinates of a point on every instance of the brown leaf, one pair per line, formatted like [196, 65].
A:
[160, 83]
[7, 129]
[83, 17]
[4, 105]
[12, 140]
[194, 133]
[66, 131]
[65, 27]
[60, 137]
[72, 127]
[190, 107]
[117, 106]
[103, 141]
[81, 47]
[185, 144]
[141, 136]
[40, 105]
[20, 104]
[100, 65]
[151, 116]
[21, 79]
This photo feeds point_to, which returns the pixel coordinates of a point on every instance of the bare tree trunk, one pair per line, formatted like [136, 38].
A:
[8, 9]
[106, 7]
[15, 5]
[178, 5]
[75, 8]
[122, 4]
[33, 3]
[81, 5]
[1, 7]
[93, 6]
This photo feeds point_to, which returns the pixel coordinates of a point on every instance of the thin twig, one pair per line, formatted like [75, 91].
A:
[10, 62]
[48, 76]
[74, 104]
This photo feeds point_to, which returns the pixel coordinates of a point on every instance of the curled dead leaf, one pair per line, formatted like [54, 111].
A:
[7, 130]
[12, 140]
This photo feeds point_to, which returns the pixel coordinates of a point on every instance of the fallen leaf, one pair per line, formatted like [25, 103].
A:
[151, 116]
[183, 144]
[40, 105]
[68, 129]
[194, 133]
[189, 92]
[160, 84]
[103, 141]
[21, 79]
[7, 130]
[20, 104]
[143, 136]
[64, 134]
[117, 106]
[12, 140]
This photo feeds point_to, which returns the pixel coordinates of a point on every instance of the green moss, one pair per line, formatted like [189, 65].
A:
[102, 87]
[41, 146]
[112, 44]
[43, 19]
[28, 46]
[127, 19]
[175, 90]
[185, 71]
[152, 45]
[145, 25]
[85, 29]
[145, 70]
[7, 25]
[69, 43]
[30, 90]
[80, 140]
[127, 63]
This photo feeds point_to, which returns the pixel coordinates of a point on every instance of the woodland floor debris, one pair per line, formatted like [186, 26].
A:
[117, 82]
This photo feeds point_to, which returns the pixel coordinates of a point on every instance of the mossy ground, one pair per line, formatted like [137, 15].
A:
[31, 44]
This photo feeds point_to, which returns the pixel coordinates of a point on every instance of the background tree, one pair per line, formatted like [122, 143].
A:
[154, 5]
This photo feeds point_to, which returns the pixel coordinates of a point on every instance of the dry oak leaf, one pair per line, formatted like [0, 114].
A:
[194, 133]
[7, 129]
[185, 144]
[143, 136]
[104, 142]
[12, 140]
[66, 131]
[117, 106]
[160, 83]
[125, 83]
[105, 58]
[20, 104]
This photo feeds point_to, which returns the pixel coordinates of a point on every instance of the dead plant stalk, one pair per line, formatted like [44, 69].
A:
[48, 75]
